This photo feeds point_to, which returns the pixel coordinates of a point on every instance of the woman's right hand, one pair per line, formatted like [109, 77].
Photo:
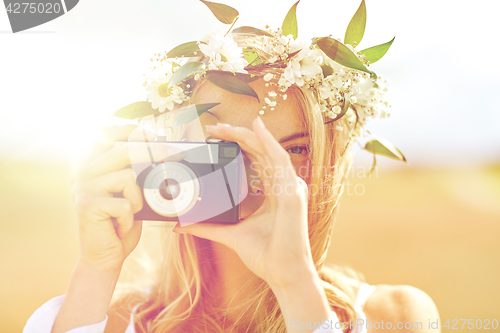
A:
[107, 230]
[106, 226]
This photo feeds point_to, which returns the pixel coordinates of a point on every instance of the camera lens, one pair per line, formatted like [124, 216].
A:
[170, 189]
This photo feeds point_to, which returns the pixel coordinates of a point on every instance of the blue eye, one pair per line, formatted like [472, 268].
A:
[297, 150]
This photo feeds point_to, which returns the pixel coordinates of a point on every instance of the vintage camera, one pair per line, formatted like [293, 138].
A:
[207, 185]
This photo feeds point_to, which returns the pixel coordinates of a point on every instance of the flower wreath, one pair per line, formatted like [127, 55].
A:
[335, 72]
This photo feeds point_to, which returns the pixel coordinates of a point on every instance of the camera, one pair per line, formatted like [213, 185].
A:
[207, 185]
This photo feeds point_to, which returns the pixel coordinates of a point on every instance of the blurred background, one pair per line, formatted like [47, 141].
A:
[433, 224]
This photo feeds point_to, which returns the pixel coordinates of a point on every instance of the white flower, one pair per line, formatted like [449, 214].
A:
[299, 44]
[283, 40]
[163, 97]
[292, 73]
[325, 90]
[297, 71]
[363, 91]
[273, 59]
[269, 102]
[304, 65]
[350, 116]
[268, 77]
[224, 54]
[361, 113]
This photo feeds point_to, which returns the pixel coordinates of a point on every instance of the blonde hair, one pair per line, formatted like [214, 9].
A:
[178, 269]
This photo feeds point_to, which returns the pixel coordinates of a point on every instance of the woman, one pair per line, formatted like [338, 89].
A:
[263, 274]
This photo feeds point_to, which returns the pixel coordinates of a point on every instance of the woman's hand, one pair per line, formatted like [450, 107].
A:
[107, 230]
[273, 242]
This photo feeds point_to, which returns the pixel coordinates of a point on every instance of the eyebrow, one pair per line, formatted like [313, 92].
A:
[293, 136]
[296, 135]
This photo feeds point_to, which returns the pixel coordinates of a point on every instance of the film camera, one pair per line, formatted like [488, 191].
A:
[207, 185]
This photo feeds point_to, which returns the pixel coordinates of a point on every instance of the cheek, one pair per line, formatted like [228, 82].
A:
[302, 167]
[254, 198]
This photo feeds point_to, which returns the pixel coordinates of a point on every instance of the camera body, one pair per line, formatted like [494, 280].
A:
[207, 185]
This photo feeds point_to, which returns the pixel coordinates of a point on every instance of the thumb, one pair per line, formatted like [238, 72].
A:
[132, 237]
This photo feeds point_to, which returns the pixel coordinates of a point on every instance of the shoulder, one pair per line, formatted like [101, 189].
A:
[400, 305]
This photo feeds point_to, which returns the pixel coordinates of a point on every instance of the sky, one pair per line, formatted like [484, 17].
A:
[61, 81]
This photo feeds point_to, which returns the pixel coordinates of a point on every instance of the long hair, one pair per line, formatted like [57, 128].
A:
[168, 279]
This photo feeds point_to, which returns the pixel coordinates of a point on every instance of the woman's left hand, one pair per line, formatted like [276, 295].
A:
[273, 242]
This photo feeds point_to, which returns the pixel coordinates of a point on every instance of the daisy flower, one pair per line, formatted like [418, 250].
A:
[224, 54]
[162, 96]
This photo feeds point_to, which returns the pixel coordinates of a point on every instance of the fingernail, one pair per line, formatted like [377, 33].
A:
[211, 127]
[223, 125]
[259, 120]
[177, 231]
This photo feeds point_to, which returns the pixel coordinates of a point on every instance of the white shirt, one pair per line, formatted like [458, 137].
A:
[42, 320]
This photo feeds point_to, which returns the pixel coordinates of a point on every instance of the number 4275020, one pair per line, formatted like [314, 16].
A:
[484, 324]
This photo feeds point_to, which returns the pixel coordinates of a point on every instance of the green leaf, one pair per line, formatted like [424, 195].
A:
[356, 28]
[231, 27]
[345, 108]
[136, 110]
[289, 26]
[251, 56]
[242, 76]
[327, 70]
[247, 77]
[223, 13]
[375, 53]
[192, 112]
[374, 166]
[189, 49]
[381, 146]
[228, 81]
[185, 71]
[250, 31]
[339, 53]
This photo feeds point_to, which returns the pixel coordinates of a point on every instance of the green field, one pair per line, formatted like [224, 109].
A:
[438, 230]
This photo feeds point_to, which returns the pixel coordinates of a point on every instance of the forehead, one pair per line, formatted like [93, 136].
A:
[241, 110]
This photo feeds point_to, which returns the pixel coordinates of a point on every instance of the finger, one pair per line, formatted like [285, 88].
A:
[119, 157]
[272, 147]
[216, 232]
[103, 209]
[241, 135]
[278, 156]
[121, 209]
[304, 186]
[109, 135]
[122, 181]
[286, 188]
[130, 239]
[249, 143]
